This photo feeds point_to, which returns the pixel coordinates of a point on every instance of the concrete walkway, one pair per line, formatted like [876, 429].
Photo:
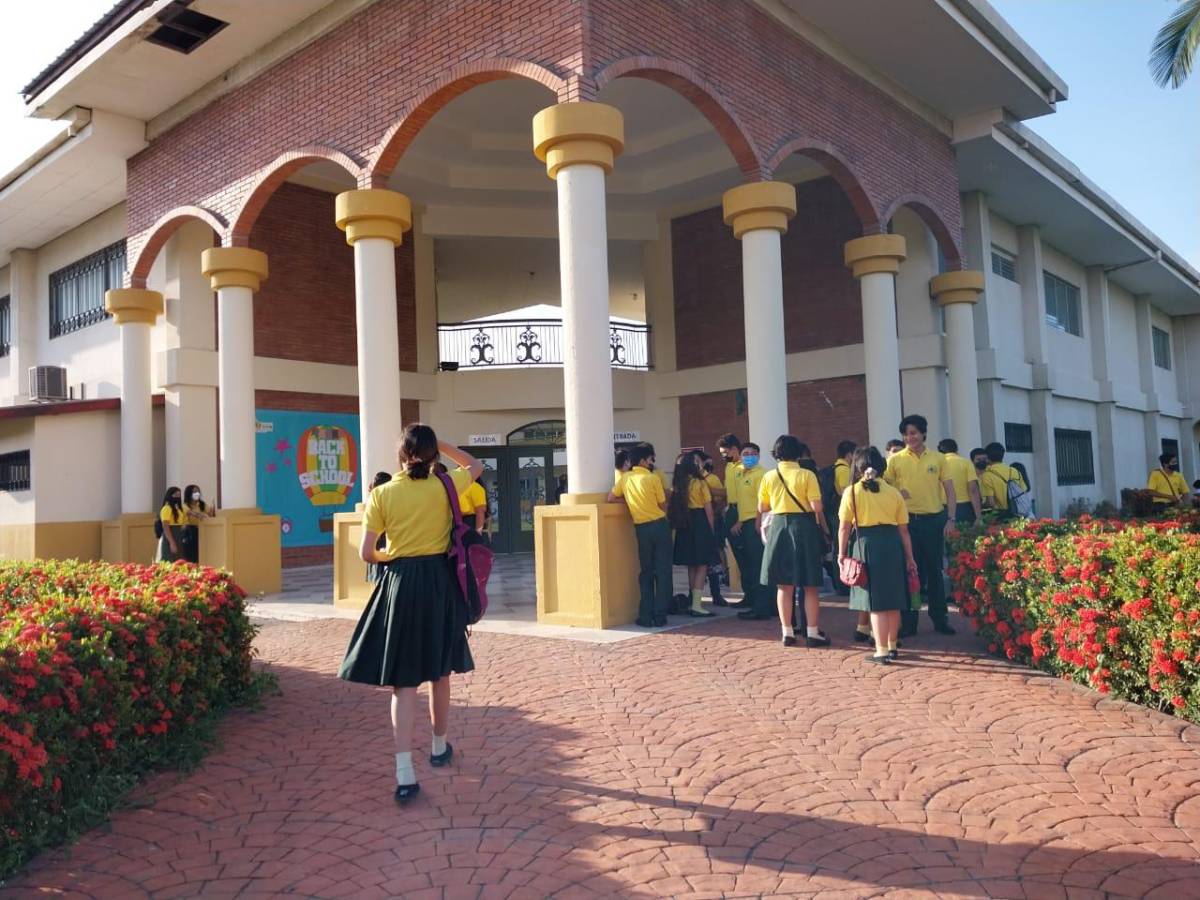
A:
[706, 761]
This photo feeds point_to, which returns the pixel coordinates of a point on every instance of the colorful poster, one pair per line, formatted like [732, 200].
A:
[307, 471]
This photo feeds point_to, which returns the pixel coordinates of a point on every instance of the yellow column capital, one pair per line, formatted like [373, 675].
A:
[578, 133]
[876, 253]
[956, 287]
[759, 205]
[373, 213]
[234, 267]
[129, 305]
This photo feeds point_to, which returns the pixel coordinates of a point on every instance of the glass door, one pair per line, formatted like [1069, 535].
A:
[531, 471]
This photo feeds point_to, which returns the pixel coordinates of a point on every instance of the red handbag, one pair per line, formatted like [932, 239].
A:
[851, 571]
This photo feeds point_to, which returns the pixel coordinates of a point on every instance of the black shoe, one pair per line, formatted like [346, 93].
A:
[406, 792]
[944, 628]
[660, 622]
[893, 655]
[736, 604]
[907, 632]
[860, 638]
[442, 759]
[700, 614]
[720, 601]
[789, 641]
[642, 623]
[878, 660]
[821, 640]
[753, 616]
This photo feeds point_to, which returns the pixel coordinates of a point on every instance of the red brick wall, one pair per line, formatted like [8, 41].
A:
[821, 300]
[820, 413]
[305, 309]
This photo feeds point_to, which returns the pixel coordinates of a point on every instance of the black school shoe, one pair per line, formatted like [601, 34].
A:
[878, 660]
[700, 614]
[822, 640]
[944, 628]
[406, 792]
[860, 638]
[789, 640]
[893, 655]
[660, 622]
[751, 615]
[643, 623]
[442, 759]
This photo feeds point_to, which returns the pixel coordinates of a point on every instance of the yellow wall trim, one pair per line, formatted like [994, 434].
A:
[759, 205]
[876, 253]
[133, 305]
[234, 267]
[373, 213]
[578, 133]
[957, 287]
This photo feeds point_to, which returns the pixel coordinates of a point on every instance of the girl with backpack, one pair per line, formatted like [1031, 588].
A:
[172, 519]
[690, 511]
[414, 628]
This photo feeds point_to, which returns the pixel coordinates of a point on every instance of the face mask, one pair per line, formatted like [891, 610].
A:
[196, 498]
[750, 461]
[1171, 467]
[175, 499]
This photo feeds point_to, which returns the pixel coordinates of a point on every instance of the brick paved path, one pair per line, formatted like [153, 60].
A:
[706, 762]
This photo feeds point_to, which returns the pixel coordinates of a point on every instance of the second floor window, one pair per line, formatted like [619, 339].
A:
[1062, 305]
[77, 291]
[1162, 347]
[5, 331]
[1004, 264]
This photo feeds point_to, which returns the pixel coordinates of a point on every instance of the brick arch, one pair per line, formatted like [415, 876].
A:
[275, 173]
[453, 83]
[686, 81]
[834, 162]
[924, 209]
[160, 233]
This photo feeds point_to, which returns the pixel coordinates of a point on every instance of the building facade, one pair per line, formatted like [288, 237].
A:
[760, 216]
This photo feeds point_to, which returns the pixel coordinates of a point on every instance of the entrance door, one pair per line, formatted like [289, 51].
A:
[517, 479]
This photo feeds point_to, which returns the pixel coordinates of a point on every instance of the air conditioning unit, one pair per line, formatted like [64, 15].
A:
[47, 383]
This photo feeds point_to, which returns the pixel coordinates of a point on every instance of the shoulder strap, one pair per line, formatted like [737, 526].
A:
[1170, 486]
[452, 496]
[783, 481]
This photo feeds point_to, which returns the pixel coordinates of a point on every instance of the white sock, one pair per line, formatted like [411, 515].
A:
[404, 769]
[788, 631]
[814, 632]
[439, 744]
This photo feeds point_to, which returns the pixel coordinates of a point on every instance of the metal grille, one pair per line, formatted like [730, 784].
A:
[1004, 264]
[1018, 438]
[14, 471]
[77, 291]
[1162, 347]
[532, 342]
[1074, 451]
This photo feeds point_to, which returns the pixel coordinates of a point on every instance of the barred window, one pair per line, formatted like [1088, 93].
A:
[77, 291]
[5, 333]
[1062, 305]
[1171, 446]
[1074, 451]
[14, 471]
[1162, 347]
[1004, 264]
[1018, 438]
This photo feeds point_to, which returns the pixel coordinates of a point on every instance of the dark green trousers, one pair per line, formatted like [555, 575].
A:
[654, 578]
[759, 597]
[928, 533]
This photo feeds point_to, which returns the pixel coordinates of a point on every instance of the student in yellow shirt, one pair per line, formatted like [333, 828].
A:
[875, 513]
[474, 502]
[173, 518]
[993, 483]
[794, 546]
[642, 491]
[760, 597]
[414, 628]
[1167, 485]
[690, 511]
[716, 571]
[966, 482]
[621, 466]
[730, 449]
[921, 475]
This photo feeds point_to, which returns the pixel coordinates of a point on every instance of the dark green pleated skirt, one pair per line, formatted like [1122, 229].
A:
[793, 551]
[879, 548]
[695, 545]
[414, 628]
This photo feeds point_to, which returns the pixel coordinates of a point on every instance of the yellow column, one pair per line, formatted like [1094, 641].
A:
[956, 293]
[875, 260]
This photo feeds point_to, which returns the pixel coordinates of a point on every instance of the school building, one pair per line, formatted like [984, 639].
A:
[269, 235]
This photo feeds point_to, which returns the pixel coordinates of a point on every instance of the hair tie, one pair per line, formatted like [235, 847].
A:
[869, 474]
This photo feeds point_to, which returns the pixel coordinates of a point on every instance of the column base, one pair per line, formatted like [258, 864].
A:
[129, 539]
[351, 590]
[586, 561]
[247, 543]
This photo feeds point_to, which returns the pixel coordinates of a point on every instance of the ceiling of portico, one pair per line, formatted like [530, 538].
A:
[472, 167]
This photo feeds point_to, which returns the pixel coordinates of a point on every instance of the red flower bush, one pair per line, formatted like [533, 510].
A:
[102, 667]
[1109, 603]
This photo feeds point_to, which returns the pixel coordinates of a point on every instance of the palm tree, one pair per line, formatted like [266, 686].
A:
[1175, 45]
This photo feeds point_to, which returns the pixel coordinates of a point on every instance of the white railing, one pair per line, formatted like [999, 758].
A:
[532, 342]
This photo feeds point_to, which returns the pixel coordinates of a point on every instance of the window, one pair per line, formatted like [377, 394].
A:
[1074, 451]
[4, 326]
[77, 292]
[1062, 305]
[14, 471]
[1162, 347]
[1018, 438]
[1004, 264]
[1171, 446]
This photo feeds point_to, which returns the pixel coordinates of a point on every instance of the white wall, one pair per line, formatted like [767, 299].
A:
[17, 507]
[1123, 346]
[1004, 301]
[1081, 416]
[77, 466]
[1166, 383]
[1070, 355]
[1129, 449]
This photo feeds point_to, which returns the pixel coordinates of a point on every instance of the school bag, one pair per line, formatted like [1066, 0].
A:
[827, 480]
[471, 558]
[1020, 502]
[158, 528]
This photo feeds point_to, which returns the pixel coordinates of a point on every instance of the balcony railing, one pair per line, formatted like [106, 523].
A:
[532, 342]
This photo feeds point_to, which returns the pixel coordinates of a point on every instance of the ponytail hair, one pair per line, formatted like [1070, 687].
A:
[418, 450]
[867, 466]
[685, 473]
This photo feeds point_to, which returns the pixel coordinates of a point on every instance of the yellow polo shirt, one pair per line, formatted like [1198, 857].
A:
[745, 491]
[962, 473]
[698, 494]
[921, 476]
[473, 498]
[993, 484]
[884, 508]
[643, 492]
[732, 470]
[841, 476]
[413, 513]
[617, 476]
[171, 516]
[1172, 485]
[800, 481]
[713, 482]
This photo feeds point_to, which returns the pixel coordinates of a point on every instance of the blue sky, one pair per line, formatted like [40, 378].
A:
[1140, 143]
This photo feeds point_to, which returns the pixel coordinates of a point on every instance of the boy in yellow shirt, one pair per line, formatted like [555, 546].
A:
[966, 482]
[1167, 485]
[746, 481]
[642, 491]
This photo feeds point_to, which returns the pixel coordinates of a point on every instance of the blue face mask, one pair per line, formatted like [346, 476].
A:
[750, 461]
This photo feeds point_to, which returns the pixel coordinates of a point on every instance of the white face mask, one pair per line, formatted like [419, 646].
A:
[196, 498]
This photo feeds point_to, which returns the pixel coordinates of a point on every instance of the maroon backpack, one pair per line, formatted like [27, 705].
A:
[471, 558]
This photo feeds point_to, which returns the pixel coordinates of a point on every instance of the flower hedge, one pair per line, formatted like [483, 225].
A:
[106, 671]
[1109, 603]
